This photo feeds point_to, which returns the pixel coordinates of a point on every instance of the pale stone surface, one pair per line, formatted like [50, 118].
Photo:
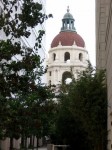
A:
[104, 52]
[57, 67]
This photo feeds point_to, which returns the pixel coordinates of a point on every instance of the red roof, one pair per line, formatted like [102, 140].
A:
[68, 39]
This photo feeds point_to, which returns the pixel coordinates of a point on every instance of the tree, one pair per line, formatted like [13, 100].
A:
[69, 130]
[20, 66]
[83, 111]
[37, 112]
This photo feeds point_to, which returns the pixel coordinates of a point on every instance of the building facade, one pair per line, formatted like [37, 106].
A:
[67, 55]
[30, 42]
[104, 52]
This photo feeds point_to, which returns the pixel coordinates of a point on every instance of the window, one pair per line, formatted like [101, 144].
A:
[66, 77]
[49, 82]
[54, 56]
[66, 56]
[50, 73]
[80, 57]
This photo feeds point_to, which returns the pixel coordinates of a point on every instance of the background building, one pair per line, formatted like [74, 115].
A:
[104, 52]
[29, 42]
[67, 55]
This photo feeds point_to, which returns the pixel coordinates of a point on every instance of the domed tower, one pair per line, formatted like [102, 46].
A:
[67, 55]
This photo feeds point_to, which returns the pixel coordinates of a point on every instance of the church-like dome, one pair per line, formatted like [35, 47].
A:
[68, 35]
[68, 16]
[68, 39]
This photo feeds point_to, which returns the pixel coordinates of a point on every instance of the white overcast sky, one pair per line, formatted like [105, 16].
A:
[83, 12]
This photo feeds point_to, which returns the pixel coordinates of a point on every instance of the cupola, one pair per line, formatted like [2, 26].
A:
[68, 22]
[68, 35]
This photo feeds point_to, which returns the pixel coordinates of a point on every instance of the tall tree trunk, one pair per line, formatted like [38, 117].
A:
[33, 141]
[11, 143]
[30, 141]
[25, 142]
[22, 141]
[37, 142]
[32, 138]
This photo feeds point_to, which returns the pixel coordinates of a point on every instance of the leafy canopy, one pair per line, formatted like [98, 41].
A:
[82, 115]
[23, 98]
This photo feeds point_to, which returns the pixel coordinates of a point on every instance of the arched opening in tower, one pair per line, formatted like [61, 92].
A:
[66, 77]
[54, 56]
[80, 57]
[49, 83]
[66, 56]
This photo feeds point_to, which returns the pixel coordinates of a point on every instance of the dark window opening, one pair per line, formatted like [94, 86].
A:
[54, 57]
[49, 82]
[66, 76]
[80, 57]
[50, 73]
[67, 56]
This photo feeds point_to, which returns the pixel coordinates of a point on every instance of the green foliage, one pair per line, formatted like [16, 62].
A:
[23, 98]
[82, 117]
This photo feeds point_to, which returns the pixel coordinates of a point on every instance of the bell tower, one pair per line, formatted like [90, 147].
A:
[68, 22]
[67, 54]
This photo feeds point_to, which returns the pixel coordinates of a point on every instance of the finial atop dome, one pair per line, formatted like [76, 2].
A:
[68, 9]
[68, 22]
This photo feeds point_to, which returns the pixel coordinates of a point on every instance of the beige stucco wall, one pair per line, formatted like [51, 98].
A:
[104, 52]
[58, 66]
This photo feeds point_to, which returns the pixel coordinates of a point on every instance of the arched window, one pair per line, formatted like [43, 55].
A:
[49, 82]
[66, 77]
[54, 56]
[50, 73]
[80, 57]
[66, 56]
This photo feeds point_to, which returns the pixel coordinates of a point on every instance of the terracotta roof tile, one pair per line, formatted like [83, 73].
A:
[68, 39]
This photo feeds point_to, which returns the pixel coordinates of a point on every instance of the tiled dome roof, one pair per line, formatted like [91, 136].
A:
[68, 39]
